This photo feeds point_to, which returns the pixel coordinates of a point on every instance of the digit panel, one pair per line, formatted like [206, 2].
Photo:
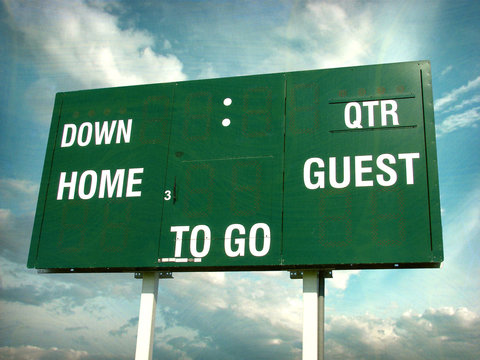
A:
[116, 230]
[226, 172]
[350, 223]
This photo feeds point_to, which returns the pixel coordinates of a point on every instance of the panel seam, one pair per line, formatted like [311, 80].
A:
[426, 161]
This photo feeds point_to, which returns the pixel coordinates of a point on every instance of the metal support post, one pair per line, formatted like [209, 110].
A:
[146, 318]
[313, 314]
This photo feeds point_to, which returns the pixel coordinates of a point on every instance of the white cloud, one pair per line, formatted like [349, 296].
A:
[15, 231]
[206, 315]
[331, 34]
[255, 295]
[457, 109]
[40, 96]
[453, 95]
[473, 100]
[447, 70]
[167, 45]
[346, 34]
[454, 122]
[444, 333]
[462, 246]
[67, 311]
[5, 215]
[18, 194]
[341, 277]
[88, 45]
[208, 72]
[25, 187]
[322, 35]
[29, 352]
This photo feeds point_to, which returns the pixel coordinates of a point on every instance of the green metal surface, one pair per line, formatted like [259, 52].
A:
[326, 168]
[361, 220]
[226, 175]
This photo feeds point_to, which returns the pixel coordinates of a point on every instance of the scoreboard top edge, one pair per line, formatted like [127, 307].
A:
[423, 64]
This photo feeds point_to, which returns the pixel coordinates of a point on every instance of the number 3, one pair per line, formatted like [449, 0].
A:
[168, 195]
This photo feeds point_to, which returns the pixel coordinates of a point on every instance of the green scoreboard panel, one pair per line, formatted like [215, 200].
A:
[314, 169]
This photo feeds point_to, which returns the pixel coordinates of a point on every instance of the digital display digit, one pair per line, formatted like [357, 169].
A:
[245, 199]
[199, 186]
[74, 220]
[312, 169]
[116, 229]
[198, 108]
[257, 112]
[335, 229]
[156, 120]
[305, 108]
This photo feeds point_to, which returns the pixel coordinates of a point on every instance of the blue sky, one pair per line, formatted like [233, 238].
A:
[52, 46]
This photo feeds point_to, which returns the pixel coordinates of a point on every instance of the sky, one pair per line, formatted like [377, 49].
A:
[52, 46]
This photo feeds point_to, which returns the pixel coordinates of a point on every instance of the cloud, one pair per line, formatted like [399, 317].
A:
[201, 326]
[441, 333]
[446, 70]
[459, 104]
[76, 328]
[206, 315]
[35, 353]
[275, 299]
[208, 72]
[18, 194]
[132, 323]
[444, 333]
[40, 96]
[340, 34]
[60, 297]
[332, 34]
[15, 232]
[462, 246]
[9, 186]
[222, 334]
[29, 352]
[468, 118]
[475, 99]
[322, 35]
[89, 45]
[5, 215]
[340, 278]
[454, 95]
[28, 295]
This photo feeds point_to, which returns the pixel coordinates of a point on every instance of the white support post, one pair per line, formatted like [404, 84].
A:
[313, 315]
[146, 319]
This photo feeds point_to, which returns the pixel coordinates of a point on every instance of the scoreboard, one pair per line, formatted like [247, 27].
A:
[328, 168]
